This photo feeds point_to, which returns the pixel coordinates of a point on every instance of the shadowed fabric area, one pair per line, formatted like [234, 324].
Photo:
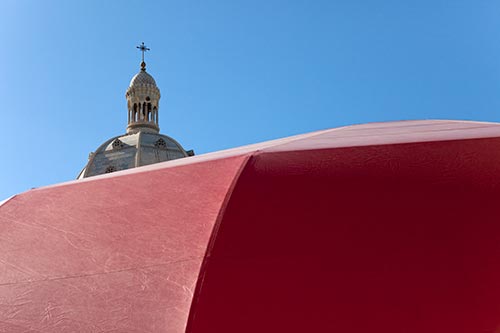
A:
[397, 238]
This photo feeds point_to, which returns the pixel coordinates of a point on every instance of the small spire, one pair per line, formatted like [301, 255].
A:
[143, 49]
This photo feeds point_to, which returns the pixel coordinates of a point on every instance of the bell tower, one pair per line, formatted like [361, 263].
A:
[143, 97]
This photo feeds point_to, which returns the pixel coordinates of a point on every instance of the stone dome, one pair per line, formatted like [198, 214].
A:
[132, 150]
[142, 144]
[142, 78]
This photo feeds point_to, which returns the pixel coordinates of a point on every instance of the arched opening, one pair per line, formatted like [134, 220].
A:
[155, 112]
[149, 112]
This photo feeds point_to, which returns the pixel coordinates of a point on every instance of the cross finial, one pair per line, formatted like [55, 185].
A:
[143, 49]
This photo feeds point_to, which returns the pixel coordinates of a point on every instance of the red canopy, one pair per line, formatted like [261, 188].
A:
[386, 227]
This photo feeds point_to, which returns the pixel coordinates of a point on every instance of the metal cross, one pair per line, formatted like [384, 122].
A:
[143, 49]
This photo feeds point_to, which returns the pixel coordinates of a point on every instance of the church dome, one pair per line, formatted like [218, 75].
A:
[142, 78]
[142, 144]
[132, 150]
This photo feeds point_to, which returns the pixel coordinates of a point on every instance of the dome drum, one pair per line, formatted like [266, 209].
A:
[143, 124]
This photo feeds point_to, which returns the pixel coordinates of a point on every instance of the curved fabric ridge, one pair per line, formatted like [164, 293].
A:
[3, 202]
[211, 242]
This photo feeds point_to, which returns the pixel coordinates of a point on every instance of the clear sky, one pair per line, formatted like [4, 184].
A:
[233, 72]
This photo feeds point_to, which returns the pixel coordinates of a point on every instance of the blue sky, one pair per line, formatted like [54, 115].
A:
[233, 72]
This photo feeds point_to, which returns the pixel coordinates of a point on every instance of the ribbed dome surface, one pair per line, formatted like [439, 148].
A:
[130, 151]
[142, 78]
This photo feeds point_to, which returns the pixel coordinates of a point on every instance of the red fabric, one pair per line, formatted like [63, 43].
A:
[118, 254]
[395, 238]
[390, 227]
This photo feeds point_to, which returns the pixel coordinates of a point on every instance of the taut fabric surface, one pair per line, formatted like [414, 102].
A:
[121, 254]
